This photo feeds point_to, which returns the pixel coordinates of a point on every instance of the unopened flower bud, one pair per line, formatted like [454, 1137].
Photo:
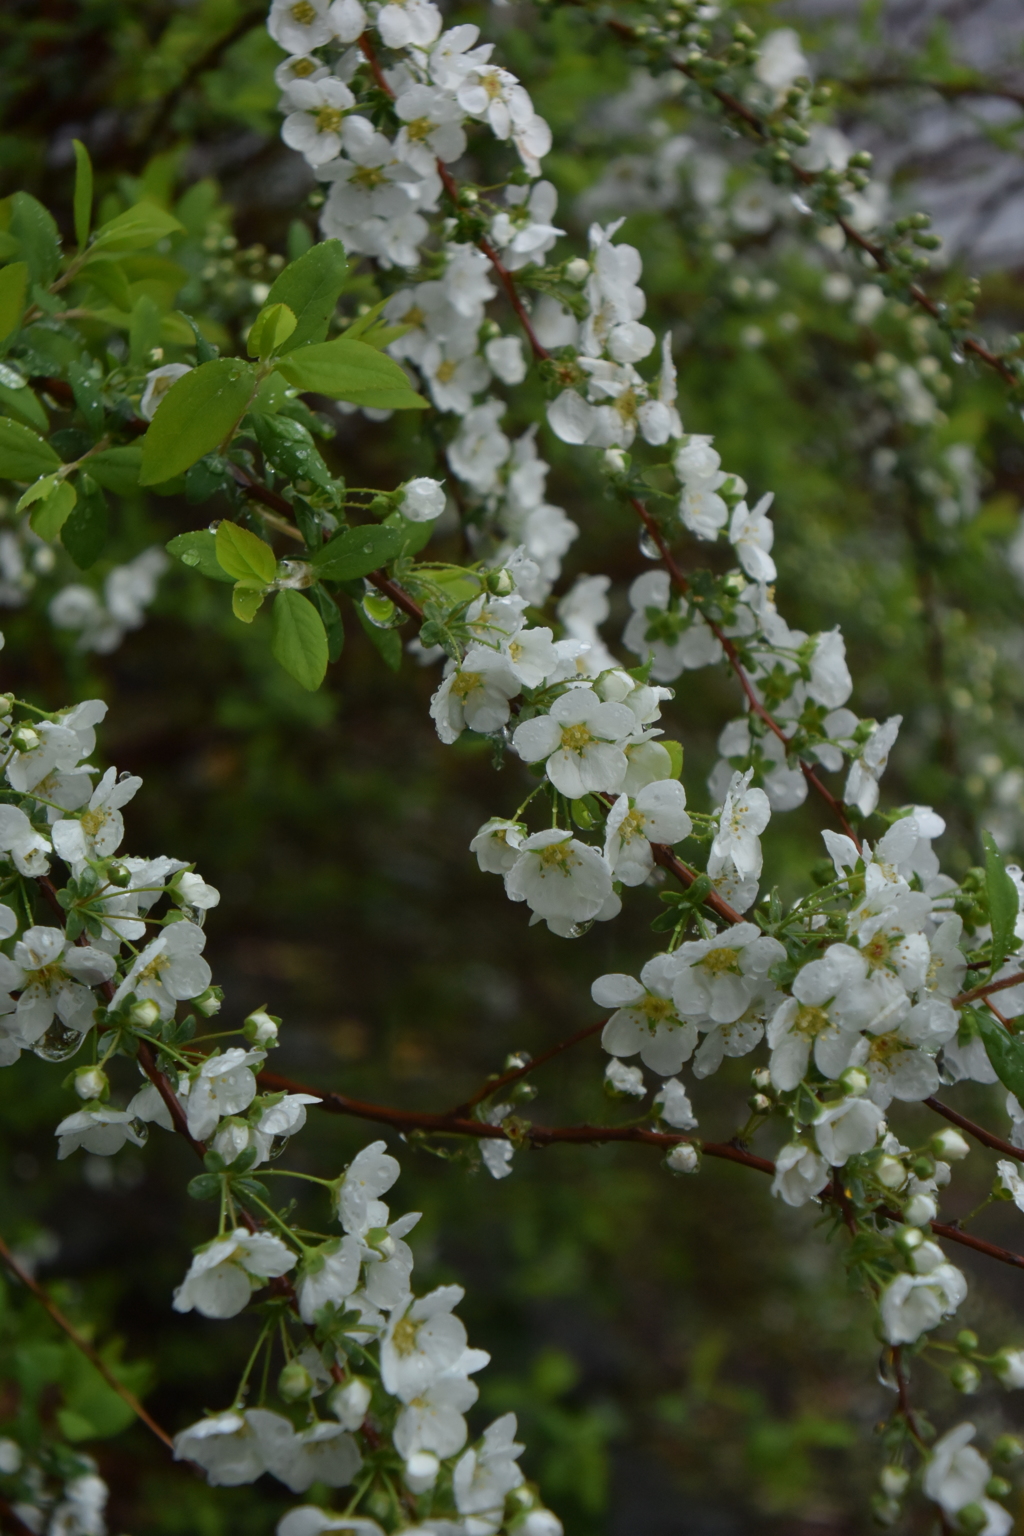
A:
[421, 1471]
[261, 1028]
[890, 1172]
[1008, 1366]
[622, 1082]
[909, 1238]
[209, 1002]
[761, 1079]
[965, 1377]
[380, 1240]
[145, 1013]
[894, 1481]
[1007, 1448]
[885, 1511]
[541, 1522]
[350, 1401]
[120, 875]
[920, 1210]
[577, 270]
[6, 704]
[615, 461]
[759, 1103]
[501, 583]
[91, 1083]
[950, 1146]
[967, 1341]
[294, 1382]
[25, 738]
[683, 1159]
[998, 1487]
[516, 1060]
[854, 1082]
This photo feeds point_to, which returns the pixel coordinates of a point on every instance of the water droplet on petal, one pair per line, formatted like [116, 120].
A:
[886, 1372]
[141, 1130]
[579, 929]
[648, 545]
[956, 355]
[59, 1043]
[278, 1144]
[799, 204]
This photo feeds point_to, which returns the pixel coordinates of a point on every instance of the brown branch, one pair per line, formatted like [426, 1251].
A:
[987, 1138]
[664, 856]
[496, 1084]
[987, 987]
[990, 1250]
[450, 1124]
[82, 1344]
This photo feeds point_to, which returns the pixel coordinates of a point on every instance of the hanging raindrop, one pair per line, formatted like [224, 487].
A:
[956, 355]
[886, 1372]
[381, 611]
[648, 545]
[579, 929]
[59, 1043]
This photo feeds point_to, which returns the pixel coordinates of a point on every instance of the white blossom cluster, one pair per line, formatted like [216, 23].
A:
[76, 1510]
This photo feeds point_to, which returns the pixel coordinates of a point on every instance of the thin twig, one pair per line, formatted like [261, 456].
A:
[83, 1344]
[987, 987]
[496, 1084]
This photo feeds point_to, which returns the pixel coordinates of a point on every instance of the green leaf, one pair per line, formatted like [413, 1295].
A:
[23, 453]
[357, 551]
[1003, 905]
[34, 229]
[247, 600]
[52, 511]
[83, 192]
[415, 536]
[387, 641]
[25, 405]
[243, 555]
[143, 330]
[311, 287]
[117, 469]
[270, 330]
[299, 640]
[86, 391]
[352, 371]
[204, 1186]
[288, 446]
[331, 615]
[199, 551]
[86, 531]
[1004, 1051]
[197, 413]
[111, 280]
[675, 752]
[13, 290]
[135, 229]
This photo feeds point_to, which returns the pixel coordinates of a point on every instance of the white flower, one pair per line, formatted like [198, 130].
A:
[497, 845]
[628, 1081]
[914, 1304]
[862, 781]
[1009, 1180]
[313, 127]
[800, 1174]
[432, 127]
[645, 1017]
[329, 1274]
[819, 1016]
[224, 1085]
[423, 499]
[388, 1263]
[744, 816]
[830, 684]
[562, 880]
[505, 359]
[422, 1341]
[452, 379]
[404, 22]
[311, 1520]
[673, 1104]
[956, 1474]
[350, 1401]
[718, 978]
[99, 1131]
[752, 533]
[300, 25]
[158, 382]
[846, 1129]
[580, 740]
[673, 645]
[369, 1175]
[532, 656]
[479, 449]
[524, 233]
[485, 1474]
[495, 95]
[169, 969]
[54, 978]
[474, 694]
[323, 1453]
[99, 830]
[222, 1275]
[195, 892]
[225, 1446]
[432, 1421]
[658, 815]
[780, 60]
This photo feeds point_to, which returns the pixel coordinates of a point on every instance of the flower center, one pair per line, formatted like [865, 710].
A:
[633, 824]
[419, 129]
[369, 176]
[811, 1022]
[150, 973]
[47, 977]
[721, 961]
[557, 856]
[328, 119]
[303, 67]
[626, 405]
[876, 950]
[883, 1047]
[92, 821]
[445, 371]
[576, 738]
[465, 683]
[657, 1009]
[304, 13]
[492, 84]
[414, 316]
[404, 1336]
